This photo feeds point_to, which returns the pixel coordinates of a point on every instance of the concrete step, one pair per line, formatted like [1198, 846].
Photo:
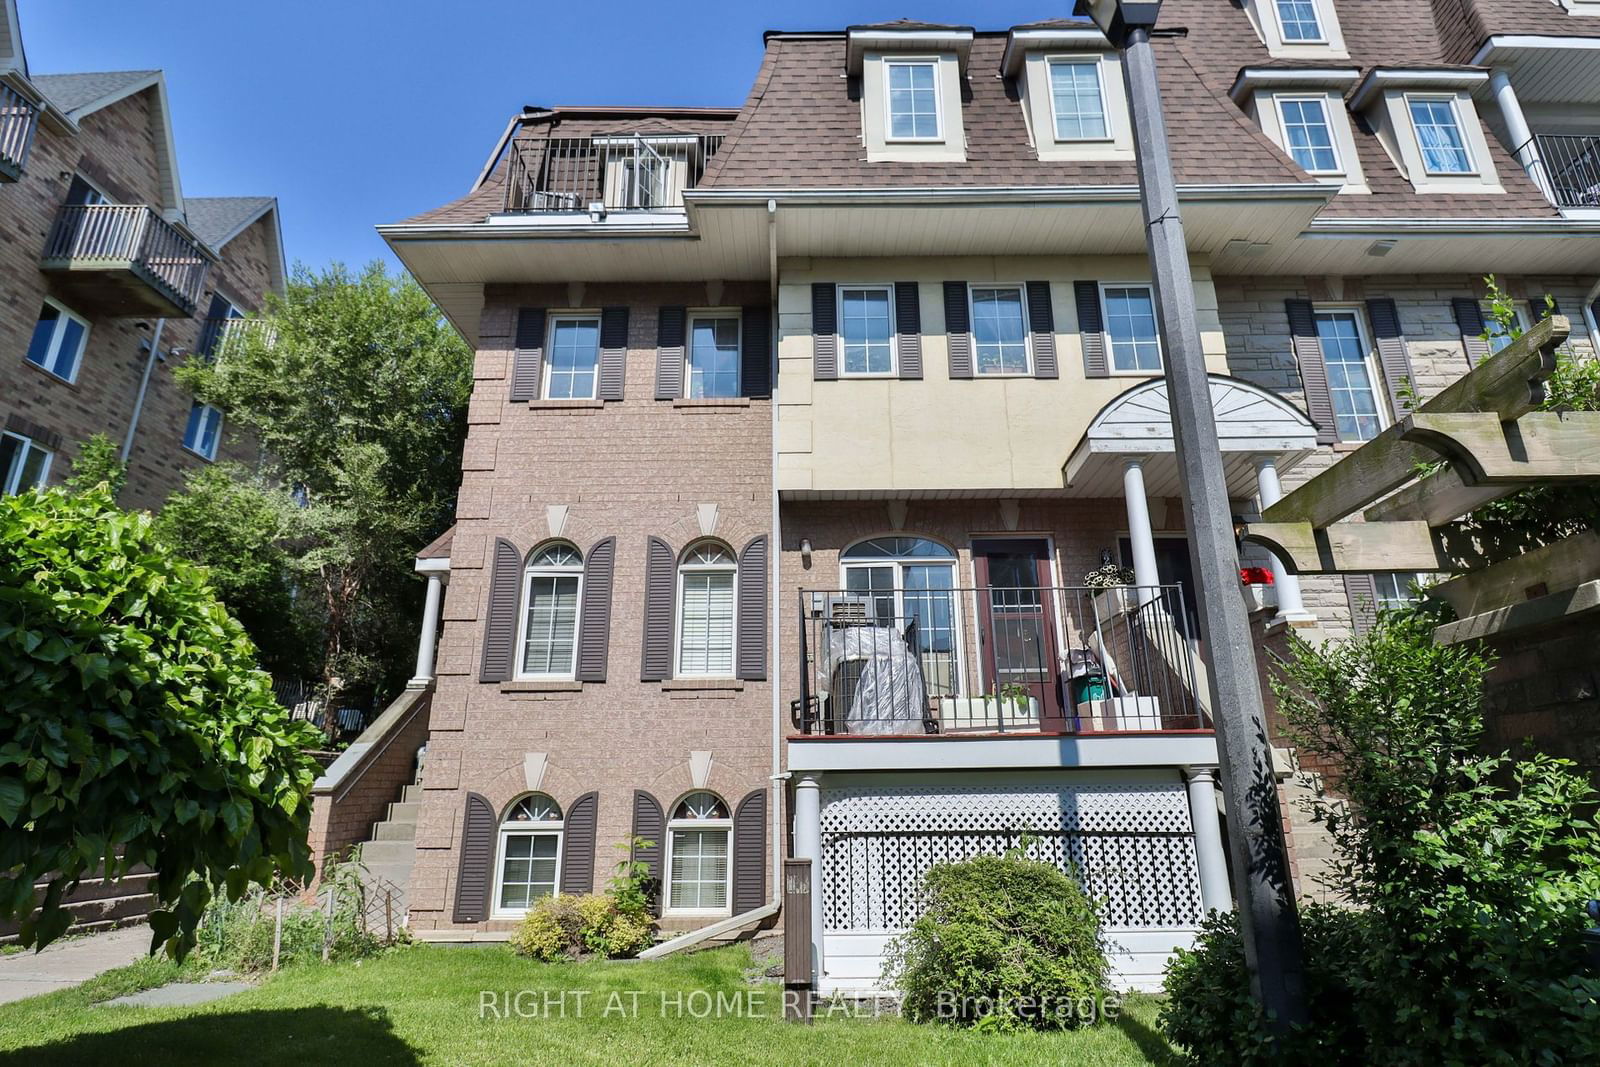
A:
[377, 853]
[404, 811]
[398, 873]
[395, 831]
[411, 794]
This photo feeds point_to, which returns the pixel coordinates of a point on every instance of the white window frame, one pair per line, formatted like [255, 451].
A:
[1321, 100]
[1105, 330]
[13, 478]
[529, 573]
[1380, 386]
[534, 828]
[674, 824]
[547, 370]
[216, 440]
[1027, 333]
[1402, 595]
[1317, 13]
[53, 353]
[1474, 169]
[894, 333]
[1093, 60]
[1489, 324]
[685, 567]
[932, 62]
[726, 314]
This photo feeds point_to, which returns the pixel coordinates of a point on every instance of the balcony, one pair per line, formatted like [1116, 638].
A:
[18, 120]
[995, 662]
[221, 338]
[1571, 165]
[596, 175]
[124, 260]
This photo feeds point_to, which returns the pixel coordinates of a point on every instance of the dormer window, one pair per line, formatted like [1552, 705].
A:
[1297, 29]
[1438, 129]
[1425, 119]
[1077, 99]
[907, 77]
[1302, 110]
[913, 99]
[1299, 22]
[1071, 90]
[1308, 134]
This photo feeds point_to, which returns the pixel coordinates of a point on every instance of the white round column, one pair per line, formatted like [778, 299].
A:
[808, 846]
[1291, 608]
[1140, 533]
[1212, 861]
[430, 632]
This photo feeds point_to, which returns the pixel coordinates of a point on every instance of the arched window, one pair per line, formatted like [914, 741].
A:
[706, 581]
[551, 587]
[530, 855]
[697, 855]
[906, 580]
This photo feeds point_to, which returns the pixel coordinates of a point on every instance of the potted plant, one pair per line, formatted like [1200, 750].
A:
[1114, 594]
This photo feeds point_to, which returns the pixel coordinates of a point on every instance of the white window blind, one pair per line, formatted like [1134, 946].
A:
[706, 645]
[699, 876]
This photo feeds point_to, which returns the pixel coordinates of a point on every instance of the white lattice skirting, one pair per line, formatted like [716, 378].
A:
[1130, 843]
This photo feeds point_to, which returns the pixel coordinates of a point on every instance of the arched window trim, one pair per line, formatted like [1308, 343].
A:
[894, 605]
[534, 830]
[679, 825]
[535, 569]
[854, 546]
[689, 565]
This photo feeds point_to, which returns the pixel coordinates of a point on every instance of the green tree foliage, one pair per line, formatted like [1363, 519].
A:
[136, 727]
[357, 392]
[98, 463]
[1003, 943]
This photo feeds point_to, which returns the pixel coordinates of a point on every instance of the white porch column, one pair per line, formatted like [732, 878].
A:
[808, 846]
[1291, 608]
[430, 631]
[1210, 858]
[1523, 146]
[1145, 574]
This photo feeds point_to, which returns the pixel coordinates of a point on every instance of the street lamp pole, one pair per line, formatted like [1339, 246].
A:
[1268, 918]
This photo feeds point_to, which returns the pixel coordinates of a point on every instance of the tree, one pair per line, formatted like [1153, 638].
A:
[98, 463]
[136, 727]
[357, 391]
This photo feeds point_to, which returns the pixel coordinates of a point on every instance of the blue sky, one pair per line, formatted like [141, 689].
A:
[355, 112]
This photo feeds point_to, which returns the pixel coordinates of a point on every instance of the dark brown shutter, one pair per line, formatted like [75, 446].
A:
[1042, 325]
[475, 866]
[594, 620]
[613, 352]
[1469, 320]
[1392, 354]
[1362, 593]
[908, 328]
[824, 331]
[1091, 330]
[577, 844]
[750, 852]
[755, 351]
[751, 648]
[958, 329]
[669, 352]
[659, 594]
[1313, 371]
[527, 363]
[500, 622]
[651, 825]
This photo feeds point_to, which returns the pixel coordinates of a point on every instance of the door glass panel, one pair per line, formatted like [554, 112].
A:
[930, 601]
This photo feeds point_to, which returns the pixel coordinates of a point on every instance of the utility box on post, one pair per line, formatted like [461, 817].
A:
[799, 984]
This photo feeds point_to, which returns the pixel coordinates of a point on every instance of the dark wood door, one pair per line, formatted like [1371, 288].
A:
[1019, 651]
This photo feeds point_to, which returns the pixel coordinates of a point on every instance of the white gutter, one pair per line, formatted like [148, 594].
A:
[1550, 227]
[999, 194]
[144, 387]
[1414, 78]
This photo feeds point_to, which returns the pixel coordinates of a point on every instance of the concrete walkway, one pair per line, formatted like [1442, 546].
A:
[67, 963]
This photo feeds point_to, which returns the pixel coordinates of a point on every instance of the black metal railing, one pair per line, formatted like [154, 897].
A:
[18, 120]
[627, 172]
[1571, 166]
[988, 661]
[306, 701]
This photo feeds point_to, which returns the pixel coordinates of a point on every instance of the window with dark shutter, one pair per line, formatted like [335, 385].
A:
[577, 844]
[1469, 320]
[1042, 330]
[594, 619]
[527, 361]
[500, 622]
[475, 864]
[650, 824]
[751, 649]
[908, 329]
[958, 329]
[1392, 354]
[824, 331]
[1362, 594]
[755, 351]
[669, 352]
[613, 352]
[1313, 371]
[1091, 330]
[750, 852]
[660, 563]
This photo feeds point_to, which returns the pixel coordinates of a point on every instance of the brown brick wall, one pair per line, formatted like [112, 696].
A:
[635, 468]
[1544, 693]
[345, 816]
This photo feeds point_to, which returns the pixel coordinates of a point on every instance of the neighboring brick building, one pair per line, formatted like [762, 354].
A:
[962, 416]
[101, 254]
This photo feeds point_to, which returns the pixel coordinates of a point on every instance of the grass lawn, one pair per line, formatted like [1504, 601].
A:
[421, 1005]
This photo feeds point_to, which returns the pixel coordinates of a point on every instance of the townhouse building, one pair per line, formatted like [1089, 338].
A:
[110, 276]
[806, 436]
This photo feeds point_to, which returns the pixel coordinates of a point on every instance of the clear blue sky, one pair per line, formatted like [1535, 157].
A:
[356, 112]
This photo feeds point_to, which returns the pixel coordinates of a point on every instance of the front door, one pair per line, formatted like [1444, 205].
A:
[1018, 649]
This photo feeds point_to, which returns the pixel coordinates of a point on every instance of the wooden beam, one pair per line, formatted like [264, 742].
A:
[1436, 500]
[1542, 446]
[1509, 383]
[1541, 611]
[1552, 568]
[1351, 547]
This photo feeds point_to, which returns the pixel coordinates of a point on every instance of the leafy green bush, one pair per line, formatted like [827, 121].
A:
[98, 463]
[564, 927]
[1003, 943]
[136, 727]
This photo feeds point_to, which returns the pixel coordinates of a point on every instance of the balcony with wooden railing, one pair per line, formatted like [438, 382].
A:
[625, 172]
[124, 260]
[18, 121]
[222, 338]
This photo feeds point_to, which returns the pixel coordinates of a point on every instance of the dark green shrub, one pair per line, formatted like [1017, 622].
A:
[567, 927]
[1003, 943]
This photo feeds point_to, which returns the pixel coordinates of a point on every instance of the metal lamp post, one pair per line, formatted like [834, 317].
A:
[1267, 912]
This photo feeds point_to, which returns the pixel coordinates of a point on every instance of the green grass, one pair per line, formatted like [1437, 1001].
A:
[421, 1005]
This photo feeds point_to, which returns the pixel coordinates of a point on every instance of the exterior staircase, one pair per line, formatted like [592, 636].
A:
[388, 855]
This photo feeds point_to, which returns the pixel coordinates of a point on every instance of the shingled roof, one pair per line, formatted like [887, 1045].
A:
[73, 93]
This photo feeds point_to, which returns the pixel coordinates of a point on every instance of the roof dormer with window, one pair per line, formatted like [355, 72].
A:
[1302, 110]
[909, 78]
[1298, 29]
[1069, 84]
[1426, 120]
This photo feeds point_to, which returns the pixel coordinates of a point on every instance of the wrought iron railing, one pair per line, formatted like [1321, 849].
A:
[1571, 166]
[988, 661]
[18, 120]
[134, 237]
[627, 172]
